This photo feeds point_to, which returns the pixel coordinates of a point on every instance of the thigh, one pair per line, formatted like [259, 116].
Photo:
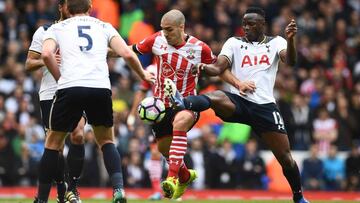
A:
[98, 107]
[45, 106]
[278, 143]
[65, 111]
[267, 118]
[230, 107]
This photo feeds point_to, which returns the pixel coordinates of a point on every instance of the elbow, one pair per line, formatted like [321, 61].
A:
[27, 65]
[46, 55]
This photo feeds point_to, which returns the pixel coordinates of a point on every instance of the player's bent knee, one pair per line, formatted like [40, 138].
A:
[183, 120]
[77, 138]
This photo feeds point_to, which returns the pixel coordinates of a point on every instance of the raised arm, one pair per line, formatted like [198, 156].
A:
[121, 49]
[48, 56]
[289, 55]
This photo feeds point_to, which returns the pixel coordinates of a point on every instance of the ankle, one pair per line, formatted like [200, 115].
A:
[297, 196]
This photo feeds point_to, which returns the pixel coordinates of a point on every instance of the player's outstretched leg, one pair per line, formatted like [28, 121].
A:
[279, 145]
[217, 100]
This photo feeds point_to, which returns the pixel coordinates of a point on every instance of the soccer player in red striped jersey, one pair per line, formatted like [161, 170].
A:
[175, 53]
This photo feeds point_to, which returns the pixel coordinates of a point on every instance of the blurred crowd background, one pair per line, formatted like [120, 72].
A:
[319, 98]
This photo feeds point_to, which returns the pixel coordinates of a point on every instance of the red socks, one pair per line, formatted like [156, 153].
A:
[177, 151]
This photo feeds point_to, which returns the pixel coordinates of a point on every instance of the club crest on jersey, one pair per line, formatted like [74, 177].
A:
[190, 53]
[255, 60]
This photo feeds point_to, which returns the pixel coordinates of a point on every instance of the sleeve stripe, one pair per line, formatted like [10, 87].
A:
[230, 63]
[36, 52]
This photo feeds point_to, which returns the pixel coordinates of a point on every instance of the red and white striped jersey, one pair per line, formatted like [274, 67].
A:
[175, 63]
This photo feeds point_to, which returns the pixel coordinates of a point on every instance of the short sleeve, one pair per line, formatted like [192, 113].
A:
[281, 44]
[50, 34]
[110, 31]
[227, 50]
[36, 43]
[207, 56]
[145, 46]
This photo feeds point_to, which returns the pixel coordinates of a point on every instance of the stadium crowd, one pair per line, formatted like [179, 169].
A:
[319, 98]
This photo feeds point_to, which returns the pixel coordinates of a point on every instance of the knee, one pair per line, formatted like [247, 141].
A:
[77, 136]
[183, 120]
[216, 97]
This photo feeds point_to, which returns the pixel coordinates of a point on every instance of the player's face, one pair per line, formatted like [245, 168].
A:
[172, 32]
[253, 25]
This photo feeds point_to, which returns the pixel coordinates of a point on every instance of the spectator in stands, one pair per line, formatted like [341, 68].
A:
[313, 170]
[347, 123]
[301, 123]
[252, 168]
[325, 131]
[353, 169]
[135, 174]
[334, 170]
[196, 157]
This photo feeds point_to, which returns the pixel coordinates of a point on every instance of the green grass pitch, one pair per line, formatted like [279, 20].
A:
[169, 201]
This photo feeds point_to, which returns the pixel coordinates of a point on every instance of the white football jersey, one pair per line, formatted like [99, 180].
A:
[83, 42]
[256, 62]
[48, 84]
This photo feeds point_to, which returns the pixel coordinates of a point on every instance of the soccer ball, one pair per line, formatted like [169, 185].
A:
[151, 110]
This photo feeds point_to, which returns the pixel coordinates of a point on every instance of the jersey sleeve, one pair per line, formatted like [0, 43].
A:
[281, 44]
[145, 46]
[110, 32]
[207, 56]
[50, 34]
[36, 43]
[227, 50]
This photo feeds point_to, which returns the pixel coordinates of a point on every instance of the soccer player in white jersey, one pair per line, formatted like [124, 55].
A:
[75, 158]
[175, 53]
[253, 60]
[84, 86]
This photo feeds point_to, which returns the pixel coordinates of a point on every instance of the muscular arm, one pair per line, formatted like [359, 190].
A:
[33, 61]
[289, 55]
[228, 77]
[48, 56]
[217, 68]
[112, 54]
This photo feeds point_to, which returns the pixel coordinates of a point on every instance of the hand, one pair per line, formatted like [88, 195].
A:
[149, 77]
[291, 29]
[195, 70]
[245, 87]
[57, 56]
[131, 122]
